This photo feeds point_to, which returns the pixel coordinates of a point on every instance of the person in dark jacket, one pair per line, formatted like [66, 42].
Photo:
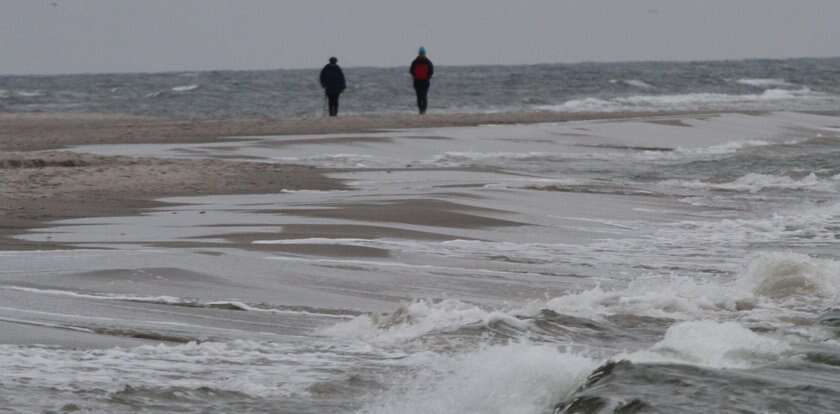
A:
[332, 80]
[422, 70]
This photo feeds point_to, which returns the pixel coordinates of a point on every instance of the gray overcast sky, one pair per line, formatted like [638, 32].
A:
[62, 36]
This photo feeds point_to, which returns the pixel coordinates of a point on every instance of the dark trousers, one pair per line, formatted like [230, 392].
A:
[422, 89]
[333, 103]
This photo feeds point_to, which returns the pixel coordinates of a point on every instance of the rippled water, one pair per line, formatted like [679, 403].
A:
[801, 84]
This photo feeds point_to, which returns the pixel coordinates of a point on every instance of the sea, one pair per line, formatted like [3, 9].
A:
[667, 263]
[801, 84]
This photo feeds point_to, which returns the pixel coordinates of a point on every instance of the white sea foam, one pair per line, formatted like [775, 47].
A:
[682, 153]
[681, 298]
[336, 160]
[528, 378]
[633, 82]
[672, 297]
[287, 191]
[722, 149]
[694, 98]
[28, 94]
[638, 83]
[691, 101]
[784, 275]
[763, 82]
[761, 277]
[776, 282]
[462, 158]
[258, 369]
[754, 183]
[796, 225]
[417, 319]
[185, 88]
[518, 378]
[712, 344]
[315, 240]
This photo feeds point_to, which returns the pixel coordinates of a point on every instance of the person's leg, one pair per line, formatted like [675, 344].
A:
[418, 91]
[423, 100]
[422, 90]
[333, 98]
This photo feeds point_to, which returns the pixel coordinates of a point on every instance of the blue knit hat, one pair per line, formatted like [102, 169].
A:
[422, 51]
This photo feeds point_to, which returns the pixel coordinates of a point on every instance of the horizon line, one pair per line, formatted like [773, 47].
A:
[583, 62]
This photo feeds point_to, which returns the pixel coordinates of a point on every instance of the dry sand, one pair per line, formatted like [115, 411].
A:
[39, 184]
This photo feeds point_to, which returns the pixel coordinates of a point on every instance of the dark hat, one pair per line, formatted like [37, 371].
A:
[333, 59]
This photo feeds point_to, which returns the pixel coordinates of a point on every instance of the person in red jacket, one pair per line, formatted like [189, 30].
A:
[422, 70]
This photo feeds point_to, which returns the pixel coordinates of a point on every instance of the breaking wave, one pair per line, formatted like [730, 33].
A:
[185, 88]
[778, 283]
[763, 82]
[784, 275]
[687, 102]
[420, 318]
[712, 344]
[782, 283]
[633, 82]
[512, 378]
[529, 377]
[28, 94]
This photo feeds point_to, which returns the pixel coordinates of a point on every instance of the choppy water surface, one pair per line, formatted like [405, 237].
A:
[663, 265]
[800, 84]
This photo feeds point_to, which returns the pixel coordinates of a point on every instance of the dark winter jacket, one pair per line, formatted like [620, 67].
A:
[417, 73]
[332, 79]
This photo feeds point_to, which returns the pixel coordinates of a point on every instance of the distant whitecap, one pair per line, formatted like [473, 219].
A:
[185, 88]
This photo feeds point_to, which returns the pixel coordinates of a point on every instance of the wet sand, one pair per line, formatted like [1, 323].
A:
[43, 186]
[39, 184]
[18, 333]
[424, 212]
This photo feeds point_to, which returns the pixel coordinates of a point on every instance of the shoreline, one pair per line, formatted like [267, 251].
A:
[39, 185]
[47, 131]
